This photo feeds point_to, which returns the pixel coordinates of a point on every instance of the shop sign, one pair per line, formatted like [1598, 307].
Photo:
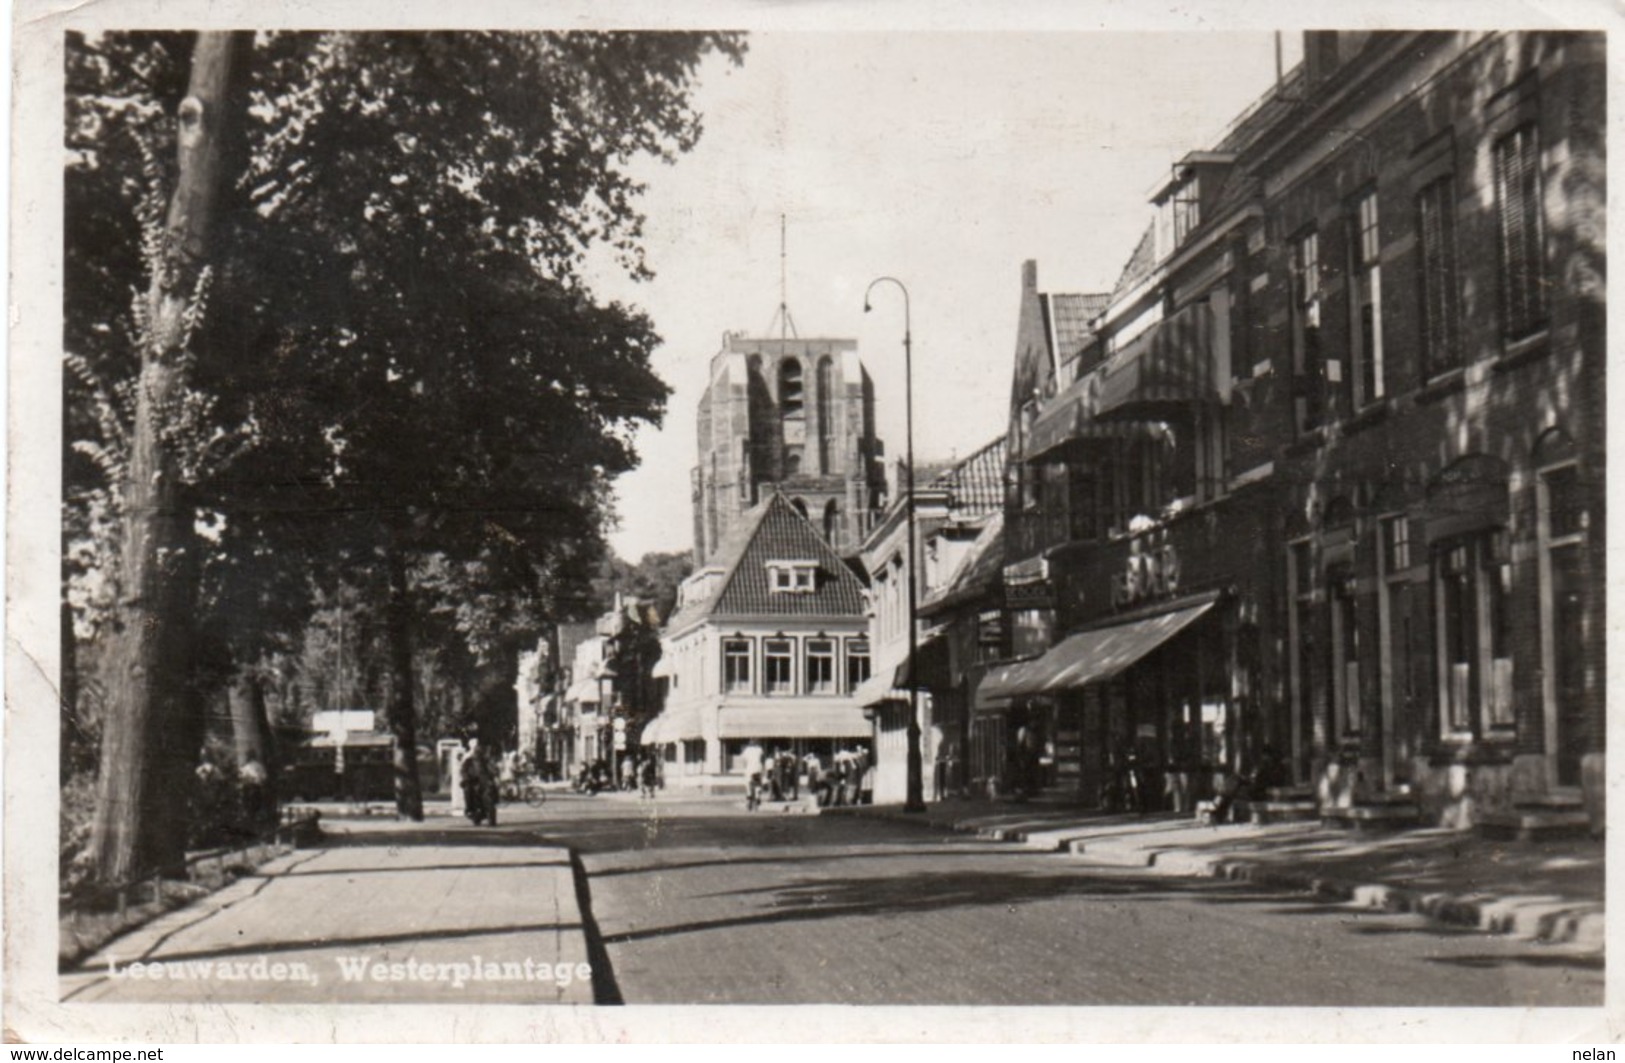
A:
[990, 627]
[1029, 596]
[1151, 573]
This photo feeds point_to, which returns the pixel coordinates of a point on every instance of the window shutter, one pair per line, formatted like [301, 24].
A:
[1516, 185]
[1533, 257]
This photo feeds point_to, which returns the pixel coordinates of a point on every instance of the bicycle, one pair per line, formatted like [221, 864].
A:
[528, 790]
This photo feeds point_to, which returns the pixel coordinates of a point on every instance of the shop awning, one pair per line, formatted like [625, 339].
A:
[883, 687]
[1070, 418]
[672, 726]
[794, 721]
[891, 684]
[1001, 683]
[583, 692]
[1166, 368]
[1091, 656]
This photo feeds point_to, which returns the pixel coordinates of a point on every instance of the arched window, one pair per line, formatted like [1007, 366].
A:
[711, 503]
[800, 504]
[832, 520]
[763, 428]
[826, 414]
[792, 461]
[791, 398]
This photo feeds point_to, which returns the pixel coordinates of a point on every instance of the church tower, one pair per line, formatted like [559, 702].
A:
[791, 414]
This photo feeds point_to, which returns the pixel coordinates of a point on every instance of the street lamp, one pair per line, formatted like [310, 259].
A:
[915, 801]
[606, 717]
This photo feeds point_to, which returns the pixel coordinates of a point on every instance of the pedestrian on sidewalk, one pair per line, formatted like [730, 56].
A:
[939, 776]
[650, 775]
[846, 777]
[814, 770]
[751, 762]
[478, 778]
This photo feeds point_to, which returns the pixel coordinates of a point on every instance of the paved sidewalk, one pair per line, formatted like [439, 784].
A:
[466, 922]
[1545, 891]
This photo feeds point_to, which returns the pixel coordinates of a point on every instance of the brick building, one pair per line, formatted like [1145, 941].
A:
[1325, 475]
[793, 413]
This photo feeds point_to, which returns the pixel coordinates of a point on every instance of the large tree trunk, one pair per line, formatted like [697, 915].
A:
[251, 737]
[402, 714]
[147, 695]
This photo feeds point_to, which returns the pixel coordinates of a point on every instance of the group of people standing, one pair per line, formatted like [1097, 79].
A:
[781, 776]
[641, 773]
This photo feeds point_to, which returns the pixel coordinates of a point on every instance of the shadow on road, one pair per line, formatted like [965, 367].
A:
[911, 894]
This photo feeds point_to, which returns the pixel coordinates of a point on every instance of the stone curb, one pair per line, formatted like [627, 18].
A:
[1546, 919]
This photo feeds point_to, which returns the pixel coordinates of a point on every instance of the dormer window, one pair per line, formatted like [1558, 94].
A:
[792, 577]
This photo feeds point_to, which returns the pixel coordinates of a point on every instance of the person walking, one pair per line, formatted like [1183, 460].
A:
[751, 762]
[491, 784]
[649, 775]
[469, 772]
[814, 770]
[790, 768]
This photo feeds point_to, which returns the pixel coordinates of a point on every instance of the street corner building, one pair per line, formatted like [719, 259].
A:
[767, 644]
[1315, 494]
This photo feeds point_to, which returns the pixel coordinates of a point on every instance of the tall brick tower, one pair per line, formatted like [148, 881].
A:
[795, 414]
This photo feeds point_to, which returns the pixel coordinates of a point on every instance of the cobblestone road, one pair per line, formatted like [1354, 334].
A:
[700, 902]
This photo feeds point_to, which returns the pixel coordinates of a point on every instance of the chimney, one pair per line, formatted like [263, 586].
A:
[1029, 275]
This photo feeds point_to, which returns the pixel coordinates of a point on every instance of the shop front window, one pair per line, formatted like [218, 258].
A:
[1472, 585]
[1301, 629]
[1345, 652]
[1564, 633]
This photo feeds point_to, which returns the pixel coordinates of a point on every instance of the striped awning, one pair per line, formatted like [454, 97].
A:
[1090, 656]
[793, 721]
[1070, 417]
[1168, 367]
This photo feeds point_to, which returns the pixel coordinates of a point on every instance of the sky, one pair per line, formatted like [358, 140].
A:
[942, 159]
